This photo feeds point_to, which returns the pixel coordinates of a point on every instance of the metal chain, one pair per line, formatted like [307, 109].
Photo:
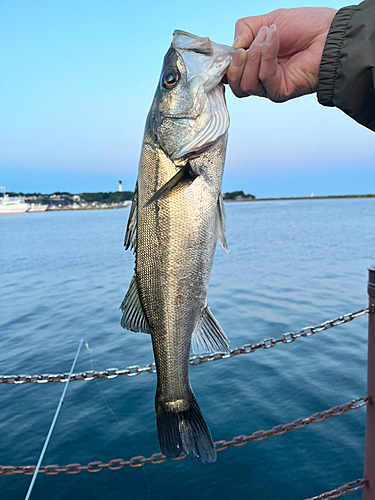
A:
[133, 371]
[300, 423]
[88, 375]
[342, 490]
[286, 338]
[159, 458]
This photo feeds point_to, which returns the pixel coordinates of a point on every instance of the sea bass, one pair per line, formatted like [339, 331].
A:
[175, 220]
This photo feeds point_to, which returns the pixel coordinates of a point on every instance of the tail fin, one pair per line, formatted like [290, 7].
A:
[182, 428]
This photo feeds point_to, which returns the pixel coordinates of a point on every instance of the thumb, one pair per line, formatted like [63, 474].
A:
[246, 29]
[244, 33]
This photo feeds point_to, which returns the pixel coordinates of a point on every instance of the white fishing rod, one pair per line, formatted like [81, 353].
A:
[52, 425]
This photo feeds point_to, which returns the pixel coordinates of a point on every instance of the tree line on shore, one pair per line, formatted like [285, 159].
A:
[105, 197]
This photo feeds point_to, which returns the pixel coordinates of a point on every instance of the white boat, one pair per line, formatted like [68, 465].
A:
[12, 204]
[37, 207]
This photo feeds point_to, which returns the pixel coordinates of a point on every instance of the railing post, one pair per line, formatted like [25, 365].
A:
[369, 472]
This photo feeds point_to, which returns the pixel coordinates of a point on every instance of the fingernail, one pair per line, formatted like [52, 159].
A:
[237, 59]
[237, 32]
[237, 42]
[271, 33]
[261, 36]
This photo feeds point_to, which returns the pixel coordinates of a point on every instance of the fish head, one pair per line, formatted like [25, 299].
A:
[189, 111]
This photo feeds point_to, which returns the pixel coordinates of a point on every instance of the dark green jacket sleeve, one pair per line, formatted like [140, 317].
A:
[347, 74]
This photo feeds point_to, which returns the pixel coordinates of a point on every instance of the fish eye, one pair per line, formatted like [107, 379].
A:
[170, 78]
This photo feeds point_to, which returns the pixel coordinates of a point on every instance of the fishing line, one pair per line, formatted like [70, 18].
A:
[118, 420]
[52, 425]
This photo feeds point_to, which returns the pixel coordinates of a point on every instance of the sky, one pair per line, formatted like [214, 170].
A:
[77, 79]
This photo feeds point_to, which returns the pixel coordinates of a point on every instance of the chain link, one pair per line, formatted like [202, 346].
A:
[159, 458]
[300, 423]
[342, 490]
[133, 371]
[89, 375]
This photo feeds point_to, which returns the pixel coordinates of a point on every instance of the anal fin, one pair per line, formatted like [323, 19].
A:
[133, 316]
[209, 336]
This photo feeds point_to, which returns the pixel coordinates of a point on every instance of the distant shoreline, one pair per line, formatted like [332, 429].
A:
[236, 200]
[250, 200]
[291, 198]
[76, 209]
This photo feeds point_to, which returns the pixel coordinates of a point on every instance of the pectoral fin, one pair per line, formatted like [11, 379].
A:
[131, 229]
[209, 336]
[183, 174]
[133, 316]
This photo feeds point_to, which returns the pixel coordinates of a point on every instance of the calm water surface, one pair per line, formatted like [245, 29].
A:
[291, 264]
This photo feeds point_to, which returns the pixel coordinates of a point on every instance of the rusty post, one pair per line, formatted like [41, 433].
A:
[369, 472]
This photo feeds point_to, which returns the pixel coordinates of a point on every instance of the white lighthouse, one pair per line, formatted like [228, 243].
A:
[120, 185]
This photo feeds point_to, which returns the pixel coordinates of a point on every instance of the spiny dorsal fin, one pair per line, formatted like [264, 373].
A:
[184, 173]
[209, 336]
[133, 316]
[131, 229]
[221, 222]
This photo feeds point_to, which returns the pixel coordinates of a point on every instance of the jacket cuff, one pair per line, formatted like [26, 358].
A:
[331, 52]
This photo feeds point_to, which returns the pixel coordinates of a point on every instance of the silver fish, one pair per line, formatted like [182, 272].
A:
[175, 220]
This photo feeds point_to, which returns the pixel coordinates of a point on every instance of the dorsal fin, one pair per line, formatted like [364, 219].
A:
[221, 222]
[131, 229]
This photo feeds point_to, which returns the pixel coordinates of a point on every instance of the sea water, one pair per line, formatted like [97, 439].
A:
[291, 264]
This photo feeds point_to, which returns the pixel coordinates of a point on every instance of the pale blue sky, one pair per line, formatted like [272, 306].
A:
[77, 79]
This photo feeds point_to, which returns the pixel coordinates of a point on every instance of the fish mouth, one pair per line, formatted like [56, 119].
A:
[202, 57]
[187, 41]
[215, 126]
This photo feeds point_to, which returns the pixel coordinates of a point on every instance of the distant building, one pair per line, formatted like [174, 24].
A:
[120, 185]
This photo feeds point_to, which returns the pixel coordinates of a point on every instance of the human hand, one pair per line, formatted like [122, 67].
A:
[285, 48]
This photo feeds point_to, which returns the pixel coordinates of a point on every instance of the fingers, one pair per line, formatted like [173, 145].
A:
[257, 71]
[270, 73]
[243, 35]
[246, 30]
[234, 73]
[243, 72]
[250, 81]
[284, 66]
